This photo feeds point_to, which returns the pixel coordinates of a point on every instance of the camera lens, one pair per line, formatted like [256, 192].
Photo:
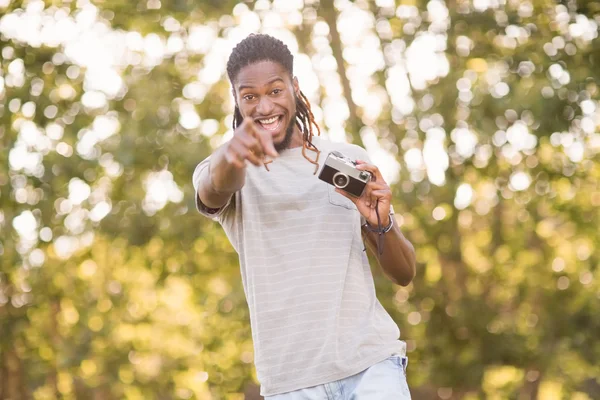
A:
[340, 180]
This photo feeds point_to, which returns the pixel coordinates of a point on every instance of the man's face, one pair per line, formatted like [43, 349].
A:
[265, 92]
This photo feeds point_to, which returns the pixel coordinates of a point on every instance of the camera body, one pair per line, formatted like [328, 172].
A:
[341, 172]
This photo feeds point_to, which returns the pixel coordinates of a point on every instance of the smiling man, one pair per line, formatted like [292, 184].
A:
[319, 331]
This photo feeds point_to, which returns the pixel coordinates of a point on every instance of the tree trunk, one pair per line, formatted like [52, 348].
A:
[354, 123]
[12, 386]
[530, 390]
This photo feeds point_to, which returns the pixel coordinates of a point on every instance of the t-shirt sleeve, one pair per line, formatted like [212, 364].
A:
[212, 213]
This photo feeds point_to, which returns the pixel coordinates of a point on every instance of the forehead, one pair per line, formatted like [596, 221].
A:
[260, 74]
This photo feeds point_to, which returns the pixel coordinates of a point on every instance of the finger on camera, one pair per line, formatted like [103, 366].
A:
[363, 165]
[367, 167]
[375, 174]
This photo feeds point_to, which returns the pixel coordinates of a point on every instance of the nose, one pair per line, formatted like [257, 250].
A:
[265, 106]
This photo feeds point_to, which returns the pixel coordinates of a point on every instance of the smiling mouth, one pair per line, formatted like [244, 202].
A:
[271, 124]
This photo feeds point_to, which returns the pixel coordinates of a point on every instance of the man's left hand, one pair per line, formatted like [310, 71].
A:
[377, 193]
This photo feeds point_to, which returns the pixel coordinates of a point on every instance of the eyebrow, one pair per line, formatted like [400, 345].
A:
[277, 78]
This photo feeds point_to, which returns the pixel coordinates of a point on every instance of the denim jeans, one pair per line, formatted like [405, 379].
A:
[385, 380]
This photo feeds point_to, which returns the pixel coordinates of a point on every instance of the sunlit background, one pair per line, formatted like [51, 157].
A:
[483, 115]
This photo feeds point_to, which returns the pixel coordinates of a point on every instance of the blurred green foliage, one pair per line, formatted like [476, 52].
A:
[111, 286]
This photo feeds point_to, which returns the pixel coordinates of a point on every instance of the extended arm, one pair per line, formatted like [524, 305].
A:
[226, 172]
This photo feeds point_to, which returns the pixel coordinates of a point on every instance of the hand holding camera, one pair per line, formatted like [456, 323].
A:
[250, 142]
[362, 184]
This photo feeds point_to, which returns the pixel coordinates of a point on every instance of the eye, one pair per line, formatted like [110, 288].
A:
[276, 91]
[249, 97]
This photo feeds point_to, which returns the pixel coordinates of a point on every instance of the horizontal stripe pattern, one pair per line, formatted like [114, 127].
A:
[313, 310]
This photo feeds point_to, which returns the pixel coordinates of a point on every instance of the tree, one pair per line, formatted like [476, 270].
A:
[484, 115]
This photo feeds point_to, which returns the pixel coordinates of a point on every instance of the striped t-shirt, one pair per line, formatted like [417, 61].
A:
[313, 310]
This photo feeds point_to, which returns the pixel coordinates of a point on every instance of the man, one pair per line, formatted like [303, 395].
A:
[319, 331]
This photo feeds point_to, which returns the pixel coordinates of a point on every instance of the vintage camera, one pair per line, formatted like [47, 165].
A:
[341, 172]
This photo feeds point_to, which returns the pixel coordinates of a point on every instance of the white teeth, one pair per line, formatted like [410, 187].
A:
[268, 121]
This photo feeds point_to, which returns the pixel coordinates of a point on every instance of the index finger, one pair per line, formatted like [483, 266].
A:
[364, 166]
[264, 137]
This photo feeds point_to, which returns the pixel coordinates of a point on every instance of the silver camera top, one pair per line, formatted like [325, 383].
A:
[343, 158]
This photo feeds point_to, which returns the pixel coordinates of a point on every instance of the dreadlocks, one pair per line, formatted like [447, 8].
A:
[260, 47]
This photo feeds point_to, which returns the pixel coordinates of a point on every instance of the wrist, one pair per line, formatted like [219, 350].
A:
[386, 225]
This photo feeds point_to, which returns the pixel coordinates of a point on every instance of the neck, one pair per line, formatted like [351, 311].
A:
[296, 138]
